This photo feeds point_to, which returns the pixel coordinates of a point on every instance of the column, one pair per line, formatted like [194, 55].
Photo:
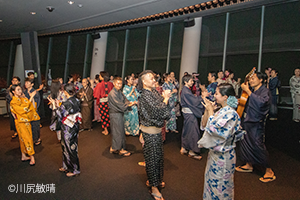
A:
[99, 53]
[190, 48]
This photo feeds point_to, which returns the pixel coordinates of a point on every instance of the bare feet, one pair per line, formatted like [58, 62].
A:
[32, 161]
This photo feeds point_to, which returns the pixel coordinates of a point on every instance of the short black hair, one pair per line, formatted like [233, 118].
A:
[261, 76]
[30, 73]
[16, 77]
[29, 80]
[140, 81]
[186, 78]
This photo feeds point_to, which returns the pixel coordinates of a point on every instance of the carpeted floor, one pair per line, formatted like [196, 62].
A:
[106, 176]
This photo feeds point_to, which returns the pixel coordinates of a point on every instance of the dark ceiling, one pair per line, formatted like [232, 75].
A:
[16, 17]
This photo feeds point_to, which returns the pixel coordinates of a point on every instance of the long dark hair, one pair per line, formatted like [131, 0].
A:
[54, 89]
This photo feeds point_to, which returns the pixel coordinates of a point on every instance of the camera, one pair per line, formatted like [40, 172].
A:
[50, 8]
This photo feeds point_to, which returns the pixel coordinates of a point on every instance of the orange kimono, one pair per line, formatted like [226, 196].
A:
[24, 112]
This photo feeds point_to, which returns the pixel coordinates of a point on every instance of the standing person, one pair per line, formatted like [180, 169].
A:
[235, 84]
[211, 88]
[274, 85]
[77, 84]
[220, 77]
[295, 93]
[56, 94]
[85, 94]
[69, 117]
[118, 104]
[192, 109]
[39, 90]
[24, 112]
[153, 110]
[252, 148]
[131, 117]
[101, 94]
[15, 81]
[221, 132]
[168, 85]
[35, 124]
[95, 94]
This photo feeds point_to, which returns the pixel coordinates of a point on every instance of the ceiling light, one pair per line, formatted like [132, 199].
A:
[70, 2]
[80, 5]
[1, 20]
[33, 13]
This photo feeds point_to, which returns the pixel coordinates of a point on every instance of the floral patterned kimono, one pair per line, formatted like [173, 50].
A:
[131, 117]
[171, 123]
[24, 112]
[69, 116]
[221, 132]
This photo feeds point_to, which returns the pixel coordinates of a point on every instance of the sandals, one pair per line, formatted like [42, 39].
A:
[183, 151]
[125, 154]
[38, 142]
[241, 169]
[155, 196]
[267, 179]
[62, 170]
[70, 174]
[14, 135]
[113, 151]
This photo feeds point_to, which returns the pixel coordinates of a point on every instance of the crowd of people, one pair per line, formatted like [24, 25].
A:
[148, 106]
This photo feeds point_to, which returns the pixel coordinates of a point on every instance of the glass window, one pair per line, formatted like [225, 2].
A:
[212, 34]
[282, 28]
[244, 30]
[58, 56]
[77, 53]
[115, 46]
[158, 41]
[4, 58]
[136, 43]
[241, 64]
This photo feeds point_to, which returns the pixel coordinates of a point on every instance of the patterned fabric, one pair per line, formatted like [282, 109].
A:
[69, 136]
[154, 158]
[103, 89]
[131, 118]
[212, 89]
[222, 130]
[295, 93]
[163, 129]
[171, 123]
[152, 110]
[24, 113]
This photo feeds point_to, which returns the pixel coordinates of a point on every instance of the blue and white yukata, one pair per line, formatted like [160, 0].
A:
[221, 132]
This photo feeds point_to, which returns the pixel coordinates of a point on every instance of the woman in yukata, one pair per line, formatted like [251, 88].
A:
[221, 132]
[168, 85]
[131, 118]
[24, 112]
[69, 117]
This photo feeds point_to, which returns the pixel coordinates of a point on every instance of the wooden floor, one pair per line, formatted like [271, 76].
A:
[106, 176]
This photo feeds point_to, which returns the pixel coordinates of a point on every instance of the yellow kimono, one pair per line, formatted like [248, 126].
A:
[24, 112]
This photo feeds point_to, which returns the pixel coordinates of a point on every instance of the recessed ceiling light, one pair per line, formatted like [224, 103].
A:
[33, 13]
[80, 5]
[70, 2]
[0, 20]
